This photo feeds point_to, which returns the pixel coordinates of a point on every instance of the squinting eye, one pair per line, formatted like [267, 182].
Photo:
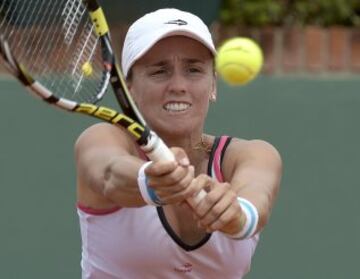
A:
[158, 72]
[194, 70]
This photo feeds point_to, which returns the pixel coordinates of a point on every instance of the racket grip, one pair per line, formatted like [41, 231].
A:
[157, 150]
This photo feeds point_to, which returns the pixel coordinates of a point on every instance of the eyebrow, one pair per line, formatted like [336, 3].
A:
[158, 64]
[194, 60]
[186, 60]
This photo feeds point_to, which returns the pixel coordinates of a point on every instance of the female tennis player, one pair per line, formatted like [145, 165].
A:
[134, 216]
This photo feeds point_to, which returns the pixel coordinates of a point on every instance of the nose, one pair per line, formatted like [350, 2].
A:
[177, 83]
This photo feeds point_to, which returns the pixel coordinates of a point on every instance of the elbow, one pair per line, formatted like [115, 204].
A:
[111, 183]
[108, 186]
[116, 189]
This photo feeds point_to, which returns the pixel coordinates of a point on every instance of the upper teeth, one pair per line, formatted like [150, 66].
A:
[176, 106]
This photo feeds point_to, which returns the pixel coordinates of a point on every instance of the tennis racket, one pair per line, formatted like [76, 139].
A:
[61, 50]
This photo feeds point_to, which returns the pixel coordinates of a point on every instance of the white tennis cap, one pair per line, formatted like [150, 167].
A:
[152, 27]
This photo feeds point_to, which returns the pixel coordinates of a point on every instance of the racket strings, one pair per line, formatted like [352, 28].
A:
[72, 13]
[86, 50]
[57, 44]
[36, 46]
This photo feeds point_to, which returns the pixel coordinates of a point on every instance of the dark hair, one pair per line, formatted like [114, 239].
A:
[129, 75]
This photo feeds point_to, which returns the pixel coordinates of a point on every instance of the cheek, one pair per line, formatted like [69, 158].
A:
[202, 104]
[138, 90]
[145, 96]
[204, 92]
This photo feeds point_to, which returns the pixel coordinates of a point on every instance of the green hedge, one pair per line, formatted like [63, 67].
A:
[290, 12]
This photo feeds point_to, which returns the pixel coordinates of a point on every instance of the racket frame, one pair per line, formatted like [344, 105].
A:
[131, 119]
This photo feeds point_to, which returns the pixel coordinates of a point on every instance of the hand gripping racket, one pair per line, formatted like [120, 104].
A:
[61, 50]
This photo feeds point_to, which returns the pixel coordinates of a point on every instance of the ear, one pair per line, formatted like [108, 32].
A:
[129, 79]
[212, 98]
[128, 84]
[213, 92]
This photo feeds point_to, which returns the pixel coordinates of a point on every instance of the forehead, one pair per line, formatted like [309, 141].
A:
[176, 46]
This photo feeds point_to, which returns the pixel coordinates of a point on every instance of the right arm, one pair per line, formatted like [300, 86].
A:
[108, 161]
[107, 165]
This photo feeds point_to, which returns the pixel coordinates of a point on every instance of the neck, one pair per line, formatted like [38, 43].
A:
[197, 147]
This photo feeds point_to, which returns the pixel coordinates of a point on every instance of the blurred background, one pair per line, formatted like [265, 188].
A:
[305, 102]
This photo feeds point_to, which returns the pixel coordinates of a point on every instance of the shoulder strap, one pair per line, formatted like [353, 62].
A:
[216, 157]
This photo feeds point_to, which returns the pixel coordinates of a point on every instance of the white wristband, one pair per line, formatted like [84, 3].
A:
[147, 193]
[252, 220]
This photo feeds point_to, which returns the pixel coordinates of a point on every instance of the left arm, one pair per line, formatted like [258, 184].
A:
[253, 171]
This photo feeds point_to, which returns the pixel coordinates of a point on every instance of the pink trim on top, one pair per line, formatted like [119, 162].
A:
[217, 159]
[97, 211]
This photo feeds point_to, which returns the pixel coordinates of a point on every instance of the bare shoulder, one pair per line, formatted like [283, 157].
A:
[102, 131]
[103, 136]
[251, 148]
[241, 152]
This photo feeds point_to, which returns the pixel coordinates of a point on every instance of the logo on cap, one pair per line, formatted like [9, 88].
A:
[177, 22]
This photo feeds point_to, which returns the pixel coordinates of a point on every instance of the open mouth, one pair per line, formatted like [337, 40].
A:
[177, 106]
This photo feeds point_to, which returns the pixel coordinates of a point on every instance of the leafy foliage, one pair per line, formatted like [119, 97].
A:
[291, 12]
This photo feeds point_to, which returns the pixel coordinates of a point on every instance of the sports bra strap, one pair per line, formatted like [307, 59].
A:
[217, 153]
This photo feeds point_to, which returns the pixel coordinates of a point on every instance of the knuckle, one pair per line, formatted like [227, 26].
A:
[222, 221]
[216, 210]
[203, 177]
[214, 215]
[187, 181]
[182, 186]
[174, 177]
[178, 152]
[171, 180]
[227, 186]
[232, 195]
[211, 198]
[188, 193]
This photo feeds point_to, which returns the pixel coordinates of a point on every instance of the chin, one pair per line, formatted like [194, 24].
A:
[171, 129]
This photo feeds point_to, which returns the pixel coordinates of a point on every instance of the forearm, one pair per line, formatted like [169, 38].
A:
[260, 187]
[120, 182]
[115, 176]
[110, 174]
[107, 163]
[256, 176]
[262, 197]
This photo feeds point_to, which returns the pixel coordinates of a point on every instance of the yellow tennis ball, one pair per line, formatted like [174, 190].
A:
[87, 69]
[239, 60]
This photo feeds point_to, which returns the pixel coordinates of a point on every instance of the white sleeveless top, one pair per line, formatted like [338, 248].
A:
[139, 243]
